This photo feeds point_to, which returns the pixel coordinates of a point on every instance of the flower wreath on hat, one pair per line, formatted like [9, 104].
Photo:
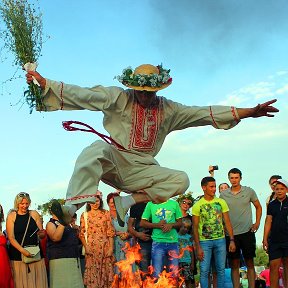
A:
[145, 77]
[187, 195]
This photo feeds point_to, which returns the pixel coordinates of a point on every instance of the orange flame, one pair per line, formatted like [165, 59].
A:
[130, 279]
[173, 254]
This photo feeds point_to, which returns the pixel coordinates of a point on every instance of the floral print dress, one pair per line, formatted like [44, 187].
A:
[99, 268]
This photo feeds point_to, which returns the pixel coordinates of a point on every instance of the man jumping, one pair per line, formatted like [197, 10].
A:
[138, 121]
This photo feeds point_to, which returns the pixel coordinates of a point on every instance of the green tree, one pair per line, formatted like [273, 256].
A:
[261, 258]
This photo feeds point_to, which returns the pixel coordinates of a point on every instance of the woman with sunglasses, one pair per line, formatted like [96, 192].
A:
[31, 275]
[186, 201]
[96, 234]
[6, 279]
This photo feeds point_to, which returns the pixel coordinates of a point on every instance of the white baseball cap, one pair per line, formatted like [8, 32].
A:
[282, 181]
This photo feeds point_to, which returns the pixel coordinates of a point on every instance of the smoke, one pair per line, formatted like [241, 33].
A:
[213, 33]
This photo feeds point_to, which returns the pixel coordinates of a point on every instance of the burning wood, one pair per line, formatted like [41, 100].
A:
[138, 279]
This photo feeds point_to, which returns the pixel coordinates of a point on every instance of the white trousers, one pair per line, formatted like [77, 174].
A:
[129, 171]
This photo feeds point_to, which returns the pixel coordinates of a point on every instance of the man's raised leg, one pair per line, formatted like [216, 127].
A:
[123, 204]
[94, 161]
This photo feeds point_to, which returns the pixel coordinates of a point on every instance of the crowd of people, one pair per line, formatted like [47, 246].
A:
[217, 232]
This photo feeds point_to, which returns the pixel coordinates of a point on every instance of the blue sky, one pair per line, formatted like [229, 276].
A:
[219, 52]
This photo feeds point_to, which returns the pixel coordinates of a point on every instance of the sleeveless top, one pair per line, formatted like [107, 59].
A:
[31, 237]
[67, 247]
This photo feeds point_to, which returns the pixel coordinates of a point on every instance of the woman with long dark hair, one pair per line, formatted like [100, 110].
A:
[63, 254]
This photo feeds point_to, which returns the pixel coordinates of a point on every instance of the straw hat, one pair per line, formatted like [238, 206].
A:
[145, 77]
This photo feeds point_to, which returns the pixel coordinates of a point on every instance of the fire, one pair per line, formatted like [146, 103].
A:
[173, 254]
[130, 279]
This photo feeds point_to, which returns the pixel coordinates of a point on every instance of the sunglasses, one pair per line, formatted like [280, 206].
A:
[187, 202]
[23, 194]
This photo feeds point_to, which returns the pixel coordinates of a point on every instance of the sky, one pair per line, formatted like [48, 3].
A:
[224, 52]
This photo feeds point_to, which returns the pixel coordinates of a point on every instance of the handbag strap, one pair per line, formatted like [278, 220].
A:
[26, 229]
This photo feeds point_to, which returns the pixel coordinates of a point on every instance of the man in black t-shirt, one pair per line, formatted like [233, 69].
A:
[142, 235]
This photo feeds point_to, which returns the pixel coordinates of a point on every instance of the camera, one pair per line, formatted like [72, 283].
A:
[215, 167]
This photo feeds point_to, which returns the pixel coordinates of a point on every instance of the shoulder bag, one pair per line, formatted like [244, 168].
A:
[34, 250]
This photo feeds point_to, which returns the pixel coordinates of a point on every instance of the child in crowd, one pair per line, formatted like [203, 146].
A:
[244, 280]
[275, 238]
[186, 250]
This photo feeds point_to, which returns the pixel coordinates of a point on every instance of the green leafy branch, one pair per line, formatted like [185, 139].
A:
[23, 37]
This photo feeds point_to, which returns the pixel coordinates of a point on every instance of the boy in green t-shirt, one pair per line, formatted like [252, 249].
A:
[164, 219]
[209, 237]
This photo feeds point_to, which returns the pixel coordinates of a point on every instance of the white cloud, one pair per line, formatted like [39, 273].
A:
[234, 99]
[277, 85]
[281, 73]
[246, 134]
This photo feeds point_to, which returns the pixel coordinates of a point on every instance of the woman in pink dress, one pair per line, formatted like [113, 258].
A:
[6, 279]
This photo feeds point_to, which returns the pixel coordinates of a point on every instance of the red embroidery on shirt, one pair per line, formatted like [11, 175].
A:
[61, 96]
[211, 114]
[233, 110]
[81, 197]
[145, 126]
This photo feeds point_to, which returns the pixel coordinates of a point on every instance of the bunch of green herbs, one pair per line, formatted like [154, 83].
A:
[23, 37]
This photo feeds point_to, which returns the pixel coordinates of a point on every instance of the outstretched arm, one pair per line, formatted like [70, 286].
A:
[260, 110]
[61, 96]
[220, 117]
